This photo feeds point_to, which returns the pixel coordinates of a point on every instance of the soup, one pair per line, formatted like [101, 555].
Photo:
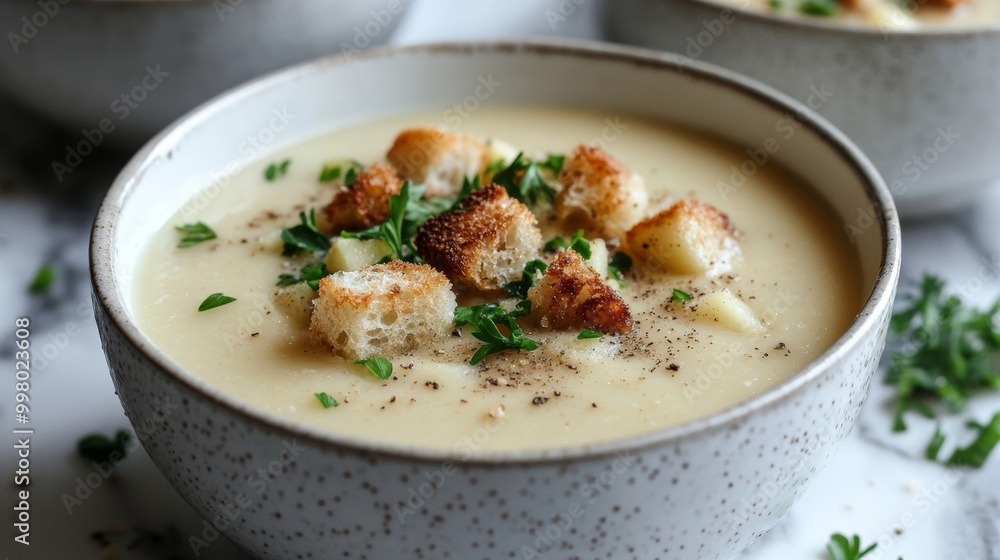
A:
[797, 279]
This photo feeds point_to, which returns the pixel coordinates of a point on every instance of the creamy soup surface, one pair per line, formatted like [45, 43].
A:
[799, 275]
[892, 15]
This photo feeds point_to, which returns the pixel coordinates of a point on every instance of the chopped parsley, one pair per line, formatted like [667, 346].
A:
[326, 400]
[519, 288]
[99, 448]
[333, 171]
[215, 300]
[976, 453]
[577, 243]
[949, 353]
[523, 180]
[844, 548]
[378, 366]
[486, 320]
[775, 4]
[587, 333]
[824, 8]
[43, 280]
[680, 296]
[351, 175]
[305, 236]
[494, 167]
[194, 234]
[553, 163]
[277, 170]
[311, 274]
[619, 265]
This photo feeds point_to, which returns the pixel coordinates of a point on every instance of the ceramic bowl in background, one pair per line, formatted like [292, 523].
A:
[920, 104]
[122, 70]
[705, 489]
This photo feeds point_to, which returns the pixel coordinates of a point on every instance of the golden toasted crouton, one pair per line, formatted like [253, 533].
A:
[437, 158]
[383, 309]
[571, 295]
[484, 244]
[690, 237]
[599, 194]
[728, 310]
[365, 202]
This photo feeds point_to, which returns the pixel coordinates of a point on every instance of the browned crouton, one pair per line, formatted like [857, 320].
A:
[365, 202]
[599, 195]
[437, 158]
[572, 295]
[485, 244]
[690, 237]
[382, 309]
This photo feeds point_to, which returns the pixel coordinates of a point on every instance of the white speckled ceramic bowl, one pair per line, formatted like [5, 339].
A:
[137, 65]
[703, 490]
[921, 104]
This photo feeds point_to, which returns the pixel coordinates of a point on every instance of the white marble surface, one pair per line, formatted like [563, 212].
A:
[875, 484]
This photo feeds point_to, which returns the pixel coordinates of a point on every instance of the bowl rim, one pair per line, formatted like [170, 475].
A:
[867, 322]
[825, 25]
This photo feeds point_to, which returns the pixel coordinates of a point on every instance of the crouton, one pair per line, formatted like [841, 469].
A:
[728, 310]
[484, 244]
[351, 254]
[437, 158]
[571, 295]
[691, 237]
[599, 194]
[383, 309]
[365, 202]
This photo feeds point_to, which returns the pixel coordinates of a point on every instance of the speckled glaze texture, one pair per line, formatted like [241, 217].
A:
[704, 496]
[703, 490]
[921, 105]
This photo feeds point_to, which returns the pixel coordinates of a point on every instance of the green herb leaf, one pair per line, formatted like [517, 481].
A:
[587, 333]
[326, 400]
[824, 8]
[680, 296]
[976, 453]
[277, 170]
[351, 176]
[523, 180]
[948, 351]
[519, 288]
[844, 548]
[311, 274]
[378, 366]
[554, 244]
[305, 236]
[553, 163]
[468, 187]
[194, 234]
[494, 167]
[215, 300]
[101, 449]
[934, 447]
[618, 266]
[43, 280]
[485, 320]
[333, 171]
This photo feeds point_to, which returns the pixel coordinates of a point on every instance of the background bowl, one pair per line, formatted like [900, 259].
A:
[136, 65]
[703, 490]
[921, 105]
